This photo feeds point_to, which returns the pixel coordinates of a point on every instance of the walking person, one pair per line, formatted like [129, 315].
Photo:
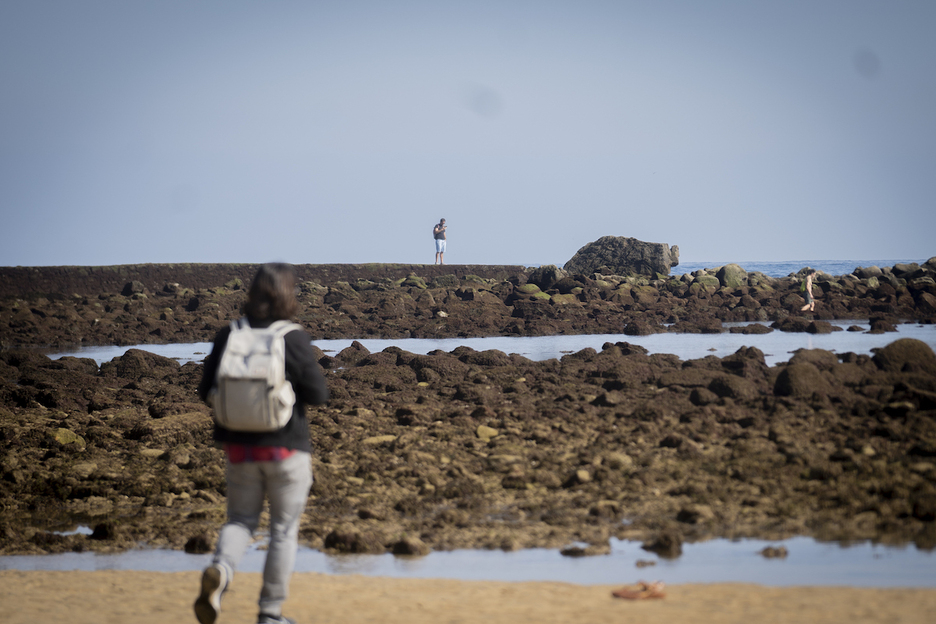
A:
[807, 292]
[272, 465]
[438, 233]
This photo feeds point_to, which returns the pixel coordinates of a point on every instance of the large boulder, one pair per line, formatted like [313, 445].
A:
[732, 276]
[801, 381]
[546, 276]
[906, 355]
[620, 255]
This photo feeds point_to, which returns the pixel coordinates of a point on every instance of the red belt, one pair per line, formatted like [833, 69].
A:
[239, 453]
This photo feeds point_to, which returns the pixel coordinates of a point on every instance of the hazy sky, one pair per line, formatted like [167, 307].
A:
[337, 132]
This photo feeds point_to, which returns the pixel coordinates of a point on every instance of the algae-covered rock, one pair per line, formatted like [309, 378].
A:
[732, 276]
[68, 437]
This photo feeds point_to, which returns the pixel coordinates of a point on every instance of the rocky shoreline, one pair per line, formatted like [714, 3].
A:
[473, 449]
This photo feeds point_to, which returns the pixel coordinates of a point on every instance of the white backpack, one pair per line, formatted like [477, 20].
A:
[251, 392]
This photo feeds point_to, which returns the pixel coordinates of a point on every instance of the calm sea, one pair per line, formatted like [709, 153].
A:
[786, 267]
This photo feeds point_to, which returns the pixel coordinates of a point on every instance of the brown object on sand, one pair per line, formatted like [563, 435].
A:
[640, 591]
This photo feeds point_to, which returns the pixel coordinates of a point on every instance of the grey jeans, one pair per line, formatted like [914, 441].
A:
[285, 484]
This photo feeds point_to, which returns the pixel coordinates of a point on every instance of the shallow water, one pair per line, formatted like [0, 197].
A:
[777, 346]
[808, 563]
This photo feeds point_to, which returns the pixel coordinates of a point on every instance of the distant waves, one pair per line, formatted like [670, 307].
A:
[784, 268]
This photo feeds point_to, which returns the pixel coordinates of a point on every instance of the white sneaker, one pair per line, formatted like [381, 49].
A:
[213, 584]
[263, 618]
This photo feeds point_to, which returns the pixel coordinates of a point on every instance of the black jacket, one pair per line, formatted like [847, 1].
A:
[302, 371]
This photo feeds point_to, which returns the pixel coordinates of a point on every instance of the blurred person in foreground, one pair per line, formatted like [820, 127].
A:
[273, 465]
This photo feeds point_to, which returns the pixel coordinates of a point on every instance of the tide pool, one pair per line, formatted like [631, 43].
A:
[777, 346]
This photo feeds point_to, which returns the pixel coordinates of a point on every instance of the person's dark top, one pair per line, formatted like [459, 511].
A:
[302, 370]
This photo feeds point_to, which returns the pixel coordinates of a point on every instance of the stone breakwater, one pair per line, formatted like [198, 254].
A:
[151, 304]
[481, 449]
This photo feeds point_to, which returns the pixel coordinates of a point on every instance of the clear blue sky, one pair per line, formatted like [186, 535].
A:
[337, 132]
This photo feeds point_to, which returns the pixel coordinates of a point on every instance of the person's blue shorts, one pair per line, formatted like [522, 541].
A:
[440, 245]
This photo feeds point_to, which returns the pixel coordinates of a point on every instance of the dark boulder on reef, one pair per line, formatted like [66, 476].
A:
[547, 276]
[619, 255]
[906, 354]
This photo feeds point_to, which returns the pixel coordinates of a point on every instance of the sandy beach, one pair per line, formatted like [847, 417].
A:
[150, 597]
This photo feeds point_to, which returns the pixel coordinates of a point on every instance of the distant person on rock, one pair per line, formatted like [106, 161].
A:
[438, 233]
[807, 292]
[270, 462]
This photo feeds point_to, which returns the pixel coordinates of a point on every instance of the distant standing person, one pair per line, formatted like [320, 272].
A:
[438, 233]
[807, 293]
[274, 464]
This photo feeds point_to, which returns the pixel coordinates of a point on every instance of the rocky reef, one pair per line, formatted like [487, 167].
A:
[480, 449]
[157, 304]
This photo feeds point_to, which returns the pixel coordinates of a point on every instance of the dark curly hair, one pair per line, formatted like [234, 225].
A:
[272, 294]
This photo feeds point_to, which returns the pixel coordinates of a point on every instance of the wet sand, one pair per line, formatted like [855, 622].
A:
[151, 597]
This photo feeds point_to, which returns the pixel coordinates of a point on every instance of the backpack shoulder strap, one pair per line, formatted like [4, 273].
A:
[281, 328]
[241, 323]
